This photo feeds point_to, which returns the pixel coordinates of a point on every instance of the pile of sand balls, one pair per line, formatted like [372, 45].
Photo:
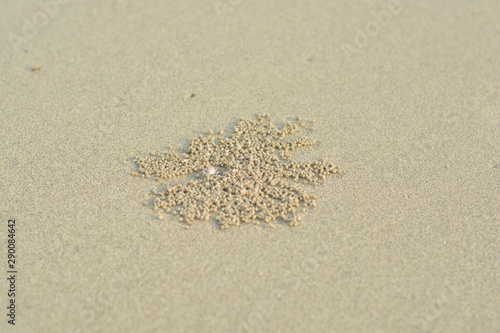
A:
[247, 177]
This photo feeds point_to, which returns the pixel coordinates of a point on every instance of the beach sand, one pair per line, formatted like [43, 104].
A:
[406, 97]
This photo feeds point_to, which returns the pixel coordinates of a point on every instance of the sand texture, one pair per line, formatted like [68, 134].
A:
[406, 98]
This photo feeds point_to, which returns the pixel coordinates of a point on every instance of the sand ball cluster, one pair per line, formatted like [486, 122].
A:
[246, 177]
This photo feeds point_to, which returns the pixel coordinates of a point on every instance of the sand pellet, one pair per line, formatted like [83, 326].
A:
[247, 177]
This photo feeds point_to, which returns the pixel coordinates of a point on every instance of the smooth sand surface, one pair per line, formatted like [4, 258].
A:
[406, 241]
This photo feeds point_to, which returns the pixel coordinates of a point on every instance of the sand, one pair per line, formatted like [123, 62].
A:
[248, 176]
[405, 241]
